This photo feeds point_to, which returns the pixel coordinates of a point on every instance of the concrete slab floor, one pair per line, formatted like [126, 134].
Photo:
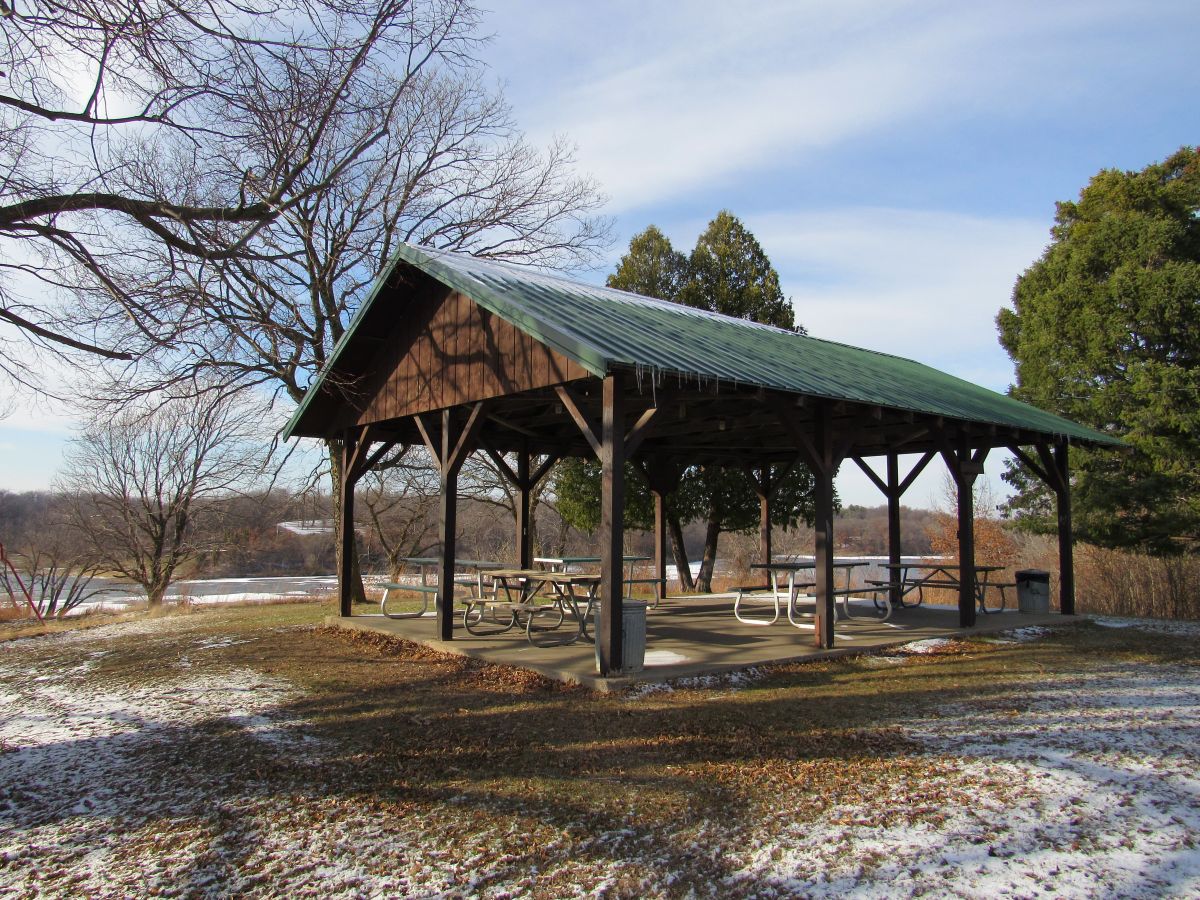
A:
[696, 635]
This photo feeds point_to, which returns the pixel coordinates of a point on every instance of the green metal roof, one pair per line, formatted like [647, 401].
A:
[602, 329]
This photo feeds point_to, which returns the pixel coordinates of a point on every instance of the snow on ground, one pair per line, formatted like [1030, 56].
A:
[82, 774]
[1175, 627]
[1088, 787]
[1084, 785]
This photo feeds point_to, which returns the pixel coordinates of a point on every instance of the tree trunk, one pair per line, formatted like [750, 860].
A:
[682, 565]
[711, 533]
[358, 594]
[155, 593]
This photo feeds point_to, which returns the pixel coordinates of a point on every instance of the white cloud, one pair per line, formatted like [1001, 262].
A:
[918, 283]
[697, 94]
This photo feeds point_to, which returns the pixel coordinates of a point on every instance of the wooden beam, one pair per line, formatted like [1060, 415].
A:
[585, 427]
[544, 469]
[782, 473]
[870, 473]
[964, 477]
[764, 515]
[519, 429]
[466, 437]
[500, 463]
[660, 544]
[379, 454]
[638, 432]
[359, 445]
[427, 436]
[915, 471]
[1049, 466]
[447, 532]
[1033, 467]
[804, 444]
[610, 630]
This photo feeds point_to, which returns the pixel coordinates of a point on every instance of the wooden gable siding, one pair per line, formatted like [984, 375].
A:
[450, 351]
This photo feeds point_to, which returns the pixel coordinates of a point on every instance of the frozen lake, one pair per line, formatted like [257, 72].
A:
[118, 594]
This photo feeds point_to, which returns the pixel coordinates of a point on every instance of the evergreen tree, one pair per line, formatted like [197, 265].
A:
[729, 273]
[1106, 330]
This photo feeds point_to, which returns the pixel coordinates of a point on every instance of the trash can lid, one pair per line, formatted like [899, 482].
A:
[1033, 573]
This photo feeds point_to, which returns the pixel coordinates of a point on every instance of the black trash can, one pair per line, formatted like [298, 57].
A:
[1033, 591]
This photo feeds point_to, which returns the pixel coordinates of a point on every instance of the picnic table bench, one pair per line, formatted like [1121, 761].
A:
[942, 575]
[773, 595]
[514, 593]
[427, 564]
[425, 590]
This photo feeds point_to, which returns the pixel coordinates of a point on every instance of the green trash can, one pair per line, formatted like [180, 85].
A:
[633, 646]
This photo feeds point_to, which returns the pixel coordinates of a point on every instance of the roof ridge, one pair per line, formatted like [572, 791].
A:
[643, 299]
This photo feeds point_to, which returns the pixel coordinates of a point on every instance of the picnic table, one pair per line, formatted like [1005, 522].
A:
[791, 569]
[427, 564]
[515, 594]
[938, 574]
[567, 563]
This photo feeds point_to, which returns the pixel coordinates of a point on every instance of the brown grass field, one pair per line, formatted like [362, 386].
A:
[252, 751]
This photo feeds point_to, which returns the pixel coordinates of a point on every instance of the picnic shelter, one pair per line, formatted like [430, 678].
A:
[461, 354]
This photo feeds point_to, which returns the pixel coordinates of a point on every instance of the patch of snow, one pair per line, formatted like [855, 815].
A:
[1083, 787]
[881, 661]
[664, 658]
[929, 645]
[90, 765]
[217, 643]
[735, 680]
[1027, 633]
[1174, 627]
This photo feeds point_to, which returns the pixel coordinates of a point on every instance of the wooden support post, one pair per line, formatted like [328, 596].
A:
[965, 467]
[823, 472]
[893, 489]
[660, 544]
[447, 529]
[763, 488]
[449, 446]
[348, 544]
[895, 596]
[609, 638]
[1054, 471]
[662, 476]
[966, 548]
[524, 489]
[1066, 539]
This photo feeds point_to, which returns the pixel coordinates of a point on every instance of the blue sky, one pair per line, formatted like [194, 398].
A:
[899, 162]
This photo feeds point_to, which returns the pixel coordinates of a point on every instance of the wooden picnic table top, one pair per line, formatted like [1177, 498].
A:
[937, 565]
[546, 575]
[436, 560]
[797, 566]
[582, 560]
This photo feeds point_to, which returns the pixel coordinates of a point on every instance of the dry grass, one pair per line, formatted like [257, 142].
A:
[1120, 582]
[600, 793]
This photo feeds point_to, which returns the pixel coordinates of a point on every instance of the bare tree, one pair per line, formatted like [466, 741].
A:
[445, 166]
[133, 131]
[136, 480]
[401, 499]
